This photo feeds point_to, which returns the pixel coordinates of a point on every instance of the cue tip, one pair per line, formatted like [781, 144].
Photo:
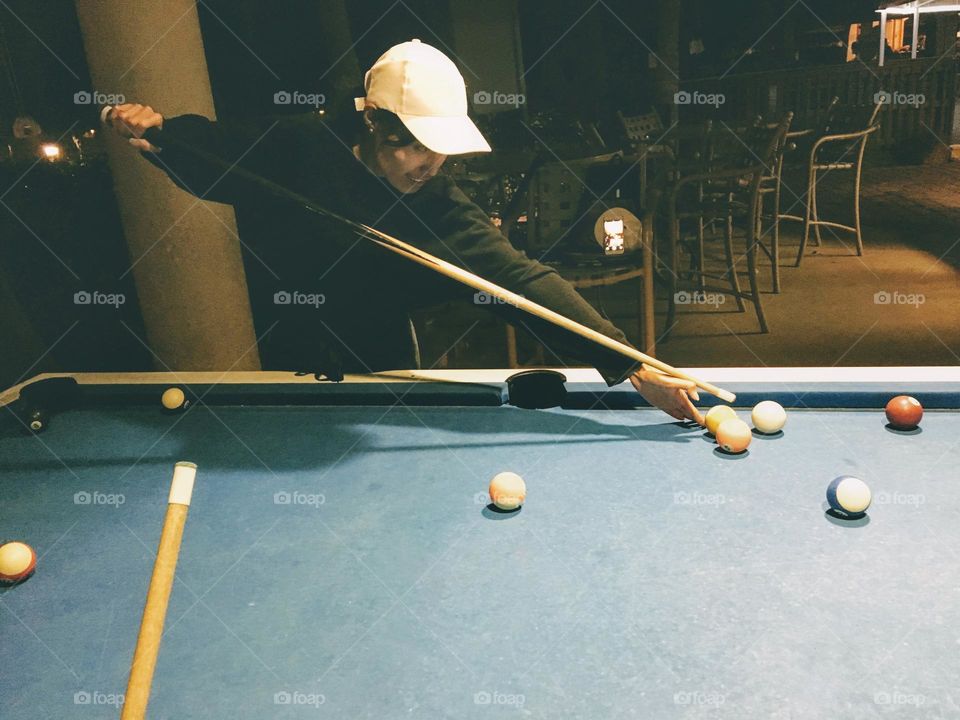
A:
[181, 488]
[726, 396]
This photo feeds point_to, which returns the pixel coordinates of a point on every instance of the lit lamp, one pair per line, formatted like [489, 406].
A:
[618, 231]
[51, 151]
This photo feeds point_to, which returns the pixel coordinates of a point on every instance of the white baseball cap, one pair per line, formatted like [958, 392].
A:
[422, 86]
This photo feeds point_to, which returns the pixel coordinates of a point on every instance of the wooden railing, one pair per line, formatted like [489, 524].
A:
[922, 96]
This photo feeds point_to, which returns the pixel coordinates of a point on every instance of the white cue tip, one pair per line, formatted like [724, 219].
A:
[181, 488]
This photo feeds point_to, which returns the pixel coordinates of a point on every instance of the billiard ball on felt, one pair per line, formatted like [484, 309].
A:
[733, 435]
[173, 399]
[716, 415]
[508, 491]
[904, 412]
[769, 416]
[17, 562]
[848, 495]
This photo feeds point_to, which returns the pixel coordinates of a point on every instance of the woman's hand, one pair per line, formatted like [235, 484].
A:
[132, 121]
[670, 394]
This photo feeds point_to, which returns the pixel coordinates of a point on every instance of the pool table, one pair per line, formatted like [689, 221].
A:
[341, 560]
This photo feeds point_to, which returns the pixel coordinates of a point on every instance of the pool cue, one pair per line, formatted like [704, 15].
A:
[155, 609]
[155, 137]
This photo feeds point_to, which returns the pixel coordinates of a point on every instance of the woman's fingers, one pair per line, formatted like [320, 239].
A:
[690, 410]
[132, 120]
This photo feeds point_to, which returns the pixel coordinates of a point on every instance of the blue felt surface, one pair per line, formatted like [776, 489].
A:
[647, 575]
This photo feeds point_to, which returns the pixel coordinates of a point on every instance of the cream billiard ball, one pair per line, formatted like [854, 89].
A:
[716, 415]
[769, 416]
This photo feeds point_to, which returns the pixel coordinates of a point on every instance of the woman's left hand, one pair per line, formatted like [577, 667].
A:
[672, 395]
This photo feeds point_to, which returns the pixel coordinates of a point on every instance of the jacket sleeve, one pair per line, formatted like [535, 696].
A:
[252, 145]
[463, 235]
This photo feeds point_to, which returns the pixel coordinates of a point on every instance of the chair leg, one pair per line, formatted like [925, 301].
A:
[701, 280]
[648, 324]
[672, 270]
[856, 203]
[758, 233]
[511, 347]
[754, 281]
[731, 264]
[775, 249]
[807, 218]
[818, 238]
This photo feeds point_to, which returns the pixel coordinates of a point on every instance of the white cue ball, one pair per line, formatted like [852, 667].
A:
[769, 416]
[508, 490]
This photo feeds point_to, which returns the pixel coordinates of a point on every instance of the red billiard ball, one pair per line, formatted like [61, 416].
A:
[904, 412]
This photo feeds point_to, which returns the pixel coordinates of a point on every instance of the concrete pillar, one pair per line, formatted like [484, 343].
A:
[185, 255]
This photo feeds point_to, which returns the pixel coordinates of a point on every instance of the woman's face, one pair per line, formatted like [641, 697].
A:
[400, 158]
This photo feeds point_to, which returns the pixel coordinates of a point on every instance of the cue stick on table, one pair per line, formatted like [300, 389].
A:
[155, 137]
[155, 609]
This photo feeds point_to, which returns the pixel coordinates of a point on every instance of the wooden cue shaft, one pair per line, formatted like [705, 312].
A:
[155, 609]
[504, 295]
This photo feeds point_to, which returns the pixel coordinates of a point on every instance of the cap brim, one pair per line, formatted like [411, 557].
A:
[446, 135]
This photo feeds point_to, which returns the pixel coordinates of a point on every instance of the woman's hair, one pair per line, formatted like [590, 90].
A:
[348, 124]
[390, 124]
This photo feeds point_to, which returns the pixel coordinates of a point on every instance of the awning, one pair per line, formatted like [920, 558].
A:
[915, 8]
[909, 7]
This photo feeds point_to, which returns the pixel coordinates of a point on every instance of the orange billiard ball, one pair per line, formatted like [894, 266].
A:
[734, 435]
[17, 562]
[904, 412]
[173, 399]
[508, 491]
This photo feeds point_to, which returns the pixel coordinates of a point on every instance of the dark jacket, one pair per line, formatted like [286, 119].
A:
[367, 292]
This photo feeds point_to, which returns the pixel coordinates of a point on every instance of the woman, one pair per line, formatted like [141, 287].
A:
[386, 174]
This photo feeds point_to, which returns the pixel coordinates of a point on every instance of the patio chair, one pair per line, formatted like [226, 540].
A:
[840, 148]
[727, 191]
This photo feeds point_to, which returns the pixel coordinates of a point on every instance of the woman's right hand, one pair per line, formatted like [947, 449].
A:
[133, 120]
